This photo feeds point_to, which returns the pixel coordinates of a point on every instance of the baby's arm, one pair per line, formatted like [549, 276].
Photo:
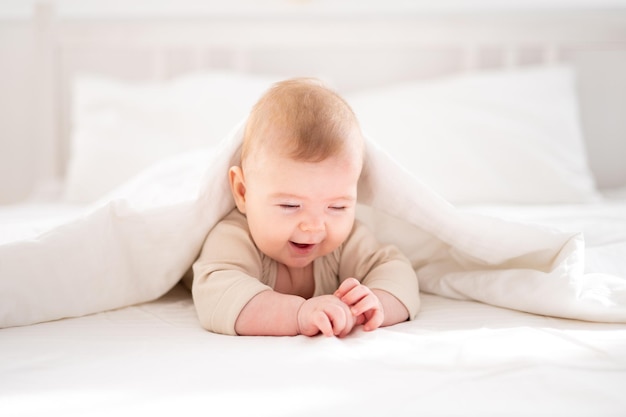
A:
[387, 284]
[271, 313]
[395, 311]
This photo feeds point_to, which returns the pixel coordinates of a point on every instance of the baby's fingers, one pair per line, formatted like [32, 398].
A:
[339, 316]
[356, 296]
[374, 320]
[367, 303]
[346, 287]
[323, 323]
[370, 310]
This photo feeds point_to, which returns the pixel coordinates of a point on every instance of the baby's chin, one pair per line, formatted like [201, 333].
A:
[299, 256]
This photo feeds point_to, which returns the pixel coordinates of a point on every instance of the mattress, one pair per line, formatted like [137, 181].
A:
[458, 357]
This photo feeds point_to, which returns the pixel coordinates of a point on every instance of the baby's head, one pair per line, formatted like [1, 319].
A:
[304, 120]
[301, 160]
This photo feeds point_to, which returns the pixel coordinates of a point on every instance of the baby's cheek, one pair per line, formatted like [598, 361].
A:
[341, 233]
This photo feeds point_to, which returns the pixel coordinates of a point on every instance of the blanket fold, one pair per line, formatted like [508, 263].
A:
[138, 243]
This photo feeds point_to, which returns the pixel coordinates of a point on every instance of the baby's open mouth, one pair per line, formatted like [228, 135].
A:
[301, 245]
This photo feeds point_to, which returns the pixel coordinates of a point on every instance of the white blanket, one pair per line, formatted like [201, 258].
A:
[136, 245]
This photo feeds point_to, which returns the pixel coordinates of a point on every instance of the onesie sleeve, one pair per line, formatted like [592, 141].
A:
[226, 274]
[379, 266]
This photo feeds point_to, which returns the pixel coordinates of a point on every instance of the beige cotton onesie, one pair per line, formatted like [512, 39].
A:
[231, 270]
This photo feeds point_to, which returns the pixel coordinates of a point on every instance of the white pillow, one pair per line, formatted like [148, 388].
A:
[507, 136]
[122, 127]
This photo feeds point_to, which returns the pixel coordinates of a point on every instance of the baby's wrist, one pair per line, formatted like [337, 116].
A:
[298, 327]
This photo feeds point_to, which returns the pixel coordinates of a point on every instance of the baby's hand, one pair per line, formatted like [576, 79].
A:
[326, 314]
[363, 303]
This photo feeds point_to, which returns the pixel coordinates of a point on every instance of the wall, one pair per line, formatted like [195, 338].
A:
[17, 101]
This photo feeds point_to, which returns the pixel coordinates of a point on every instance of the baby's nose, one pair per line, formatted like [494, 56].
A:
[314, 226]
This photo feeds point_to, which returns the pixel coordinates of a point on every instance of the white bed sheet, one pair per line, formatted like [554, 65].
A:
[457, 358]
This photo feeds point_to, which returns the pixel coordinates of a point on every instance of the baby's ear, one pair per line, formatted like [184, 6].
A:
[238, 187]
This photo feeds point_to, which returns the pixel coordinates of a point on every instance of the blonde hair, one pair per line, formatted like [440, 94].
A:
[303, 118]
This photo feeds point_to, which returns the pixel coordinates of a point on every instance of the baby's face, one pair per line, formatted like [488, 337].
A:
[298, 211]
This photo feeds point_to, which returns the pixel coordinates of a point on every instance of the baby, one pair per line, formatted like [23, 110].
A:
[291, 258]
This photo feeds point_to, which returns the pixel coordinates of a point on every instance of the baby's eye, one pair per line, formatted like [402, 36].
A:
[338, 208]
[289, 206]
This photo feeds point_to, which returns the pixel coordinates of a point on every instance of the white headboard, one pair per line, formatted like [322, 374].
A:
[349, 48]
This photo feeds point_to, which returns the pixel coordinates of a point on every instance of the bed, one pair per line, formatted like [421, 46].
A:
[509, 114]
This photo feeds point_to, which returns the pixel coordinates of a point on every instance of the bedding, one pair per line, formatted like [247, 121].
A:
[603, 225]
[145, 238]
[30, 220]
[137, 124]
[459, 358]
[513, 136]
[516, 135]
